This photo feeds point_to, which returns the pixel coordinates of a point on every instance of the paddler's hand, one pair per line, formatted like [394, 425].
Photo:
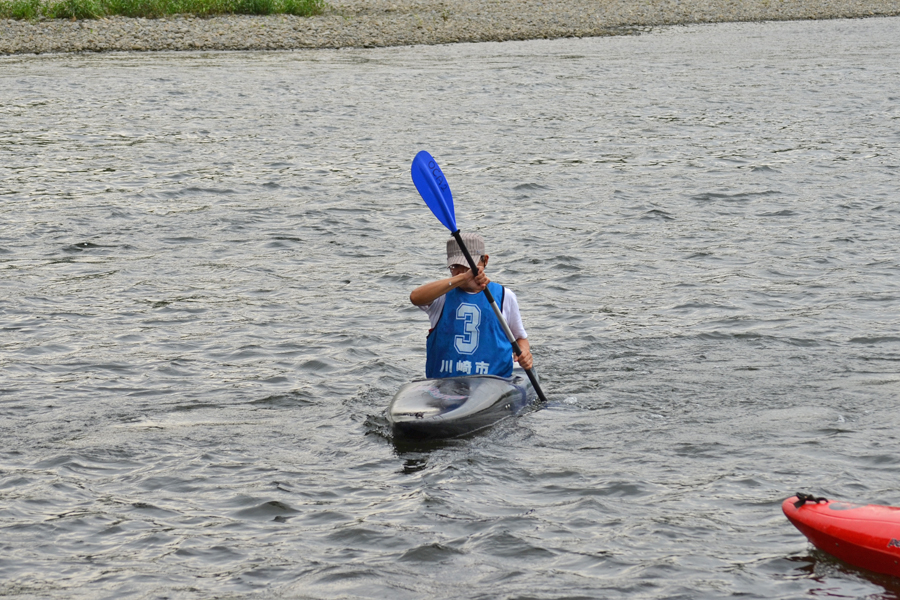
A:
[460, 277]
[478, 282]
[523, 359]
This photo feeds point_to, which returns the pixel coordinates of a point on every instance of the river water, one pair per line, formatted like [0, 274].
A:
[206, 259]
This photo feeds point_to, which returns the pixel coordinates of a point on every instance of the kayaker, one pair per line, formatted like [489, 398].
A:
[466, 337]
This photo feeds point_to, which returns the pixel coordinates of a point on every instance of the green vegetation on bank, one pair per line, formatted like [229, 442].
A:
[95, 9]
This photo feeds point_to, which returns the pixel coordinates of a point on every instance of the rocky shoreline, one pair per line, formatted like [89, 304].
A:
[374, 23]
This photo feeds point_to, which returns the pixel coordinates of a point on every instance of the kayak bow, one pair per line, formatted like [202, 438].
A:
[457, 406]
[866, 536]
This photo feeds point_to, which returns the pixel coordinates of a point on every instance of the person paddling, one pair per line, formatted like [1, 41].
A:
[465, 338]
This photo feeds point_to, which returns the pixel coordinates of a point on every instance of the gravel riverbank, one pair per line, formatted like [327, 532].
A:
[369, 23]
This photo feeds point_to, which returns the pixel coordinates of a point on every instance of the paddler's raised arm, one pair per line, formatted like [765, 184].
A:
[429, 292]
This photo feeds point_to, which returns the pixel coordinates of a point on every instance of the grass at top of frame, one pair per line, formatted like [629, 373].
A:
[151, 9]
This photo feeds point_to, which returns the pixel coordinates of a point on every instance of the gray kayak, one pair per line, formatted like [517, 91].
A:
[457, 406]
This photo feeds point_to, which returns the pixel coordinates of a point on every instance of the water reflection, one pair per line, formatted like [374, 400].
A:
[822, 568]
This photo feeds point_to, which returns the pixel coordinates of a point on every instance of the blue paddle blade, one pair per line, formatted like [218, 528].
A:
[434, 189]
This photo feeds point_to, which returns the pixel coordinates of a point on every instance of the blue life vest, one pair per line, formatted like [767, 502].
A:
[468, 338]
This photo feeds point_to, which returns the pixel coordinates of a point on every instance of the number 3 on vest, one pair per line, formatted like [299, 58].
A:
[470, 315]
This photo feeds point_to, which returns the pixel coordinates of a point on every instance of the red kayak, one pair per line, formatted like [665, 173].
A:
[866, 536]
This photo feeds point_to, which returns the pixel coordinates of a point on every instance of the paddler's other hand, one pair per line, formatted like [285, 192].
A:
[523, 359]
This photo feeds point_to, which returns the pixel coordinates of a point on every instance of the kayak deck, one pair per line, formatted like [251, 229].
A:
[456, 406]
[866, 536]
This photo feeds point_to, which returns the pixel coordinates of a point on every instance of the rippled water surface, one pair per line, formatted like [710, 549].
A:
[205, 260]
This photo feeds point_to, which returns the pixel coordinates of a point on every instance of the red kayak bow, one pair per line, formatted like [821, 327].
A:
[866, 536]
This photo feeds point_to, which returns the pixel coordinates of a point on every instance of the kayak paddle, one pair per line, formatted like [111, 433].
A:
[433, 187]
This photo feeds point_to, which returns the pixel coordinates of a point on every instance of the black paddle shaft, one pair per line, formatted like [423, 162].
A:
[499, 313]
